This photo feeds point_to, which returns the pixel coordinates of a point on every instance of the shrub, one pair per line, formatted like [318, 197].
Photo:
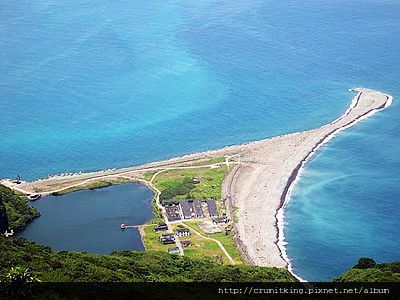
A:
[365, 263]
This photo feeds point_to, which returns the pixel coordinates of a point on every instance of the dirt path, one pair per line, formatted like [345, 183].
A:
[211, 239]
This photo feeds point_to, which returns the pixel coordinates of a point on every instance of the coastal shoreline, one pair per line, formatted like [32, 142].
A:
[259, 187]
[263, 182]
[297, 172]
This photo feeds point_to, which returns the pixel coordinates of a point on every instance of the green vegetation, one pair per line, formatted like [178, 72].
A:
[3, 218]
[148, 175]
[197, 183]
[151, 240]
[211, 161]
[22, 261]
[174, 188]
[180, 184]
[17, 210]
[157, 212]
[201, 248]
[226, 239]
[93, 185]
[46, 265]
[367, 270]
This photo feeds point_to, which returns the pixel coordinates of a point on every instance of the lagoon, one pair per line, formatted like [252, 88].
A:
[89, 220]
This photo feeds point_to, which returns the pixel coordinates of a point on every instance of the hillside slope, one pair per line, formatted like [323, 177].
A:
[367, 270]
[125, 266]
[18, 212]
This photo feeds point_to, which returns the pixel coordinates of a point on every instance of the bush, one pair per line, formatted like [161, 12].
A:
[181, 188]
[365, 263]
[18, 212]
[123, 266]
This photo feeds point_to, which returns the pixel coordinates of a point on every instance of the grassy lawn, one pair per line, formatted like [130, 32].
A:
[201, 248]
[211, 161]
[152, 240]
[214, 160]
[178, 184]
[226, 240]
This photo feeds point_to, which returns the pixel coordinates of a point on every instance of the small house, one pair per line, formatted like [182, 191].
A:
[168, 238]
[186, 243]
[182, 232]
[160, 227]
[196, 180]
[220, 220]
[33, 197]
[174, 250]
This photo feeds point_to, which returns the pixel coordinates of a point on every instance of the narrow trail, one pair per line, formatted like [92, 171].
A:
[210, 239]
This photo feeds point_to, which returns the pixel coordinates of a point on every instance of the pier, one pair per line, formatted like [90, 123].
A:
[124, 226]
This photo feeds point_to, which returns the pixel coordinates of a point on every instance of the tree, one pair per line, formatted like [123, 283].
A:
[365, 263]
[20, 280]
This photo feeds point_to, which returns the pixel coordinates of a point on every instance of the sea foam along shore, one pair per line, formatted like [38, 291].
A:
[295, 176]
[259, 187]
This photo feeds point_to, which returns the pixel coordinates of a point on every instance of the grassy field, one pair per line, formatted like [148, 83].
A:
[93, 185]
[178, 184]
[226, 240]
[152, 240]
[214, 160]
[201, 248]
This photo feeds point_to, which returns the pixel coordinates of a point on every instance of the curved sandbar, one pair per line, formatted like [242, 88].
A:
[263, 181]
[259, 186]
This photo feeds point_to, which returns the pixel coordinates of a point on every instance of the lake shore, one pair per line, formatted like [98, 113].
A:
[257, 189]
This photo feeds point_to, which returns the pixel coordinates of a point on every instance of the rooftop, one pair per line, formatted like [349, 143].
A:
[185, 209]
[212, 208]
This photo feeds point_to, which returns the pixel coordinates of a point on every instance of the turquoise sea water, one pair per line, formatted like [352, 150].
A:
[90, 220]
[88, 85]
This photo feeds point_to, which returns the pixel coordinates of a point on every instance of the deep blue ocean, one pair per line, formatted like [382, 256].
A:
[88, 85]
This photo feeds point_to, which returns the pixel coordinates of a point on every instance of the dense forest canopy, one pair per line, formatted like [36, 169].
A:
[18, 212]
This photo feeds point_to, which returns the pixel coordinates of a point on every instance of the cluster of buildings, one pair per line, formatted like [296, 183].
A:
[189, 209]
[177, 210]
[170, 238]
